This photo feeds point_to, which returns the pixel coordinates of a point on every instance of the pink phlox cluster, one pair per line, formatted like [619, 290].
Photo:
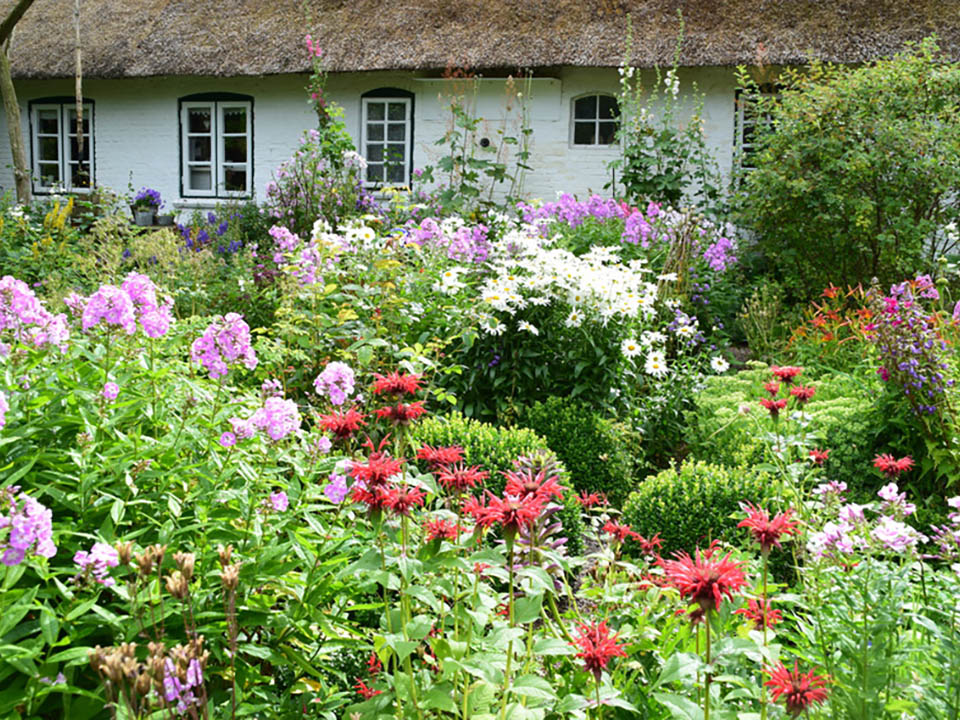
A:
[468, 244]
[286, 241]
[29, 526]
[225, 342]
[178, 691]
[113, 306]
[895, 535]
[895, 502]
[636, 229]
[277, 418]
[336, 490]
[947, 537]
[279, 501]
[22, 313]
[97, 562]
[4, 409]
[831, 490]
[335, 382]
[155, 317]
[242, 429]
[833, 538]
[271, 388]
[719, 255]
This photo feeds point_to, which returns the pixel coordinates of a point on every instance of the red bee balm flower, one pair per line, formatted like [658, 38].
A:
[803, 393]
[375, 499]
[396, 384]
[774, 406]
[588, 501]
[890, 466]
[703, 578]
[620, 532]
[437, 456]
[785, 374]
[365, 692]
[767, 531]
[343, 425]
[374, 666]
[524, 483]
[379, 468]
[401, 499]
[402, 414]
[754, 613]
[819, 457]
[441, 530]
[772, 387]
[459, 478]
[511, 512]
[597, 646]
[798, 690]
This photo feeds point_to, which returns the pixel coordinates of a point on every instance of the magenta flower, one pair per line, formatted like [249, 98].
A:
[279, 501]
[228, 439]
[110, 391]
[336, 382]
[29, 525]
[225, 342]
[4, 409]
[98, 562]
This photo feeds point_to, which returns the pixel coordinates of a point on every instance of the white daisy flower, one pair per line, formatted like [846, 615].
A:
[574, 319]
[656, 364]
[630, 348]
[649, 338]
[524, 325]
[719, 365]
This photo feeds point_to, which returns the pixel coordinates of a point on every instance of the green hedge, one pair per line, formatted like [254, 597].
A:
[494, 449]
[694, 504]
[594, 449]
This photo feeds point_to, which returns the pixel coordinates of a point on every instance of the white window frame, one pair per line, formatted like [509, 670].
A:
[218, 163]
[407, 139]
[596, 122]
[743, 120]
[65, 130]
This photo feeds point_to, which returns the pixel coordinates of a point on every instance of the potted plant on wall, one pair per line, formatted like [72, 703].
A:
[145, 206]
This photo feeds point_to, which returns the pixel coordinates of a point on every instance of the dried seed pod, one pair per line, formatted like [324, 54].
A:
[124, 552]
[230, 577]
[177, 585]
[185, 561]
[226, 553]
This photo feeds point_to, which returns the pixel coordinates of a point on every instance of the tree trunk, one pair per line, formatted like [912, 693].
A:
[11, 110]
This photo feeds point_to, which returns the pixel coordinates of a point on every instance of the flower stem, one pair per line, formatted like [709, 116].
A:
[706, 682]
[506, 674]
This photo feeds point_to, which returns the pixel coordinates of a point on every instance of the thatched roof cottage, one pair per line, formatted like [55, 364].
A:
[203, 99]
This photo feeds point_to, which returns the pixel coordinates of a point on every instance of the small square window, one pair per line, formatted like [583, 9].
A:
[595, 120]
[217, 136]
[58, 159]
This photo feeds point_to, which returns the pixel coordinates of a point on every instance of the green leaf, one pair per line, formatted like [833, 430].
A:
[440, 697]
[534, 687]
[553, 646]
[527, 609]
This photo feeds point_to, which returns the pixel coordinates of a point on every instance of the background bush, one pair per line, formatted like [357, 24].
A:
[494, 449]
[854, 173]
[594, 449]
[694, 504]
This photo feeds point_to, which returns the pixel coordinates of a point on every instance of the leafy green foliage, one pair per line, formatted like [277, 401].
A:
[695, 503]
[594, 449]
[855, 170]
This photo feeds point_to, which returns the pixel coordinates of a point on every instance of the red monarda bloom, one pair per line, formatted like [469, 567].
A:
[774, 406]
[344, 424]
[524, 483]
[705, 579]
[401, 499]
[374, 498]
[511, 512]
[396, 384]
[819, 457]
[588, 501]
[786, 374]
[365, 692]
[767, 531]
[772, 387]
[619, 532]
[437, 456]
[798, 690]
[597, 646]
[374, 666]
[379, 468]
[651, 546]
[754, 613]
[441, 530]
[459, 478]
[402, 413]
[890, 466]
[803, 393]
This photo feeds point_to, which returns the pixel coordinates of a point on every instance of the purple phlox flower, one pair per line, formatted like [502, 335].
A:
[833, 538]
[336, 382]
[895, 535]
[895, 501]
[852, 514]
[228, 439]
[278, 418]
[225, 342]
[98, 562]
[279, 501]
[113, 306]
[22, 313]
[286, 240]
[832, 489]
[271, 388]
[322, 445]
[242, 429]
[29, 525]
[4, 409]
[110, 391]
[336, 490]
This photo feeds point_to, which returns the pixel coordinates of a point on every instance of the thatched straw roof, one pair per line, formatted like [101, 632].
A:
[137, 38]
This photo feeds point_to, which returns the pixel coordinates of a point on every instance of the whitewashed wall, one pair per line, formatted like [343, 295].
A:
[136, 123]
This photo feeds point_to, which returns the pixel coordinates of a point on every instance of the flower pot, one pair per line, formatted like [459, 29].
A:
[165, 220]
[142, 217]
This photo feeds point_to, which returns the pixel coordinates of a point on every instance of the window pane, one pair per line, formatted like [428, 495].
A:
[48, 122]
[396, 153]
[585, 108]
[375, 111]
[86, 121]
[235, 179]
[75, 150]
[79, 175]
[608, 133]
[396, 131]
[375, 131]
[200, 149]
[49, 173]
[584, 133]
[608, 107]
[200, 178]
[398, 111]
[374, 153]
[199, 120]
[235, 149]
[49, 148]
[375, 173]
[395, 174]
[235, 120]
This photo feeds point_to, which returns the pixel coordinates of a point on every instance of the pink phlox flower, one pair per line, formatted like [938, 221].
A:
[29, 525]
[113, 306]
[98, 562]
[225, 342]
[278, 418]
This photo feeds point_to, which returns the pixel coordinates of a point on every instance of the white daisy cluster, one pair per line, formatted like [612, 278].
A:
[355, 235]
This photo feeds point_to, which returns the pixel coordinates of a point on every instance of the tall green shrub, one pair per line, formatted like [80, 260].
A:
[857, 169]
